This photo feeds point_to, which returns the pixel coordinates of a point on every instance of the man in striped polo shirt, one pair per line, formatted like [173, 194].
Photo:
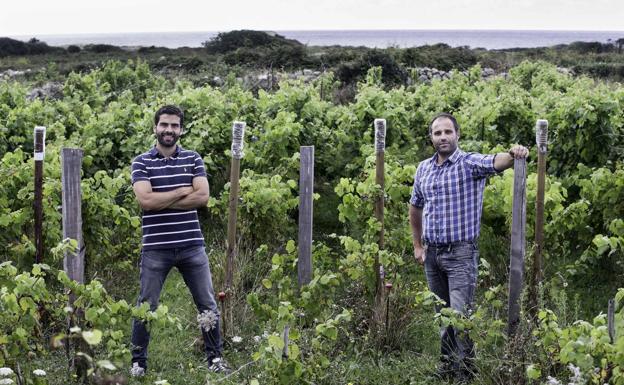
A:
[445, 218]
[170, 184]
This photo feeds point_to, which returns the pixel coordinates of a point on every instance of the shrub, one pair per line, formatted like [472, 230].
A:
[590, 47]
[272, 56]
[12, 47]
[231, 41]
[393, 73]
[73, 49]
[440, 56]
[102, 48]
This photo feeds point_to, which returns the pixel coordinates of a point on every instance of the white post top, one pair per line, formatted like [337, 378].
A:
[39, 142]
[541, 135]
[238, 135]
[380, 135]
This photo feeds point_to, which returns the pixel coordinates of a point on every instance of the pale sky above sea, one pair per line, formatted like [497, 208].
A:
[25, 17]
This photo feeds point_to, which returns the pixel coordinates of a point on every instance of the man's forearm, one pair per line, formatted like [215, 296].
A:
[415, 218]
[156, 201]
[503, 161]
[192, 201]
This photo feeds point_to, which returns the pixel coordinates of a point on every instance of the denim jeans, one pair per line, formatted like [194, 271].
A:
[192, 263]
[452, 275]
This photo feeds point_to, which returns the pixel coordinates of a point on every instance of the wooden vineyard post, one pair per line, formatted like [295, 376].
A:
[39, 155]
[306, 199]
[306, 205]
[611, 320]
[74, 259]
[286, 336]
[238, 135]
[541, 139]
[71, 164]
[380, 144]
[518, 244]
[380, 148]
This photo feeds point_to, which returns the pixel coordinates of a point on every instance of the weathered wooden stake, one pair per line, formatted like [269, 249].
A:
[39, 155]
[74, 259]
[541, 139]
[71, 163]
[518, 244]
[238, 135]
[387, 307]
[380, 150]
[306, 198]
[286, 335]
[611, 320]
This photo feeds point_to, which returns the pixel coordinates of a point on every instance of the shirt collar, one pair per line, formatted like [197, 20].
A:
[155, 154]
[455, 156]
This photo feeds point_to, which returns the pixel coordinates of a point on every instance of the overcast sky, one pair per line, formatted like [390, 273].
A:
[25, 17]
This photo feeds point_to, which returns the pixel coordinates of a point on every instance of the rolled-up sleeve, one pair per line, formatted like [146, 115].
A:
[138, 170]
[417, 199]
[481, 165]
[199, 169]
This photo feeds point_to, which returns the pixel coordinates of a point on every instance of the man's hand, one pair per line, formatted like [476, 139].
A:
[419, 254]
[519, 152]
[186, 190]
[505, 160]
[415, 220]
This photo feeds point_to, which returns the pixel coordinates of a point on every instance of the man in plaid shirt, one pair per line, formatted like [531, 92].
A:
[445, 217]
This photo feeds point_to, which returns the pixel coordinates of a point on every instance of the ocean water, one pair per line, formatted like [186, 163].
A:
[490, 39]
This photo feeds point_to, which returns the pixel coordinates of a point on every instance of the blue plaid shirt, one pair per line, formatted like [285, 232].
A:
[451, 196]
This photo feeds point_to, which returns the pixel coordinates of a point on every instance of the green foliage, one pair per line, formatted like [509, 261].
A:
[103, 200]
[596, 219]
[307, 312]
[265, 211]
[257, 48]
[393, 73]
[36, 304]
[585, 47]
[360, 194]
[500, 113]
[497, 215]
[587, 128]
[585, 347]
[16, 217]
[230, 41]
[284, 56]
[108, 113]
[440, 56]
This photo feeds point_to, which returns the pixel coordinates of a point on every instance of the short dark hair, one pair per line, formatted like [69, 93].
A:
[447, 116]
[169, 110]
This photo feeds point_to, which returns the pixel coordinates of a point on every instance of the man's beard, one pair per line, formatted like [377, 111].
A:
[167, 143]
[448, 150]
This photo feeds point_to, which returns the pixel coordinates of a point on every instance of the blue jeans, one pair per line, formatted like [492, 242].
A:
[192, 263]
[452, 275]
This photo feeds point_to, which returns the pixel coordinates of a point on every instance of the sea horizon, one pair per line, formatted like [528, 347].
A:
[373, 38]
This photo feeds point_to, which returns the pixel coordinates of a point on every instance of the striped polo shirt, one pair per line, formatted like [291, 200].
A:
[169, 228]
[451, 195]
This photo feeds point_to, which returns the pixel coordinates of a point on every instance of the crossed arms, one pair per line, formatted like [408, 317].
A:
[182, 198]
